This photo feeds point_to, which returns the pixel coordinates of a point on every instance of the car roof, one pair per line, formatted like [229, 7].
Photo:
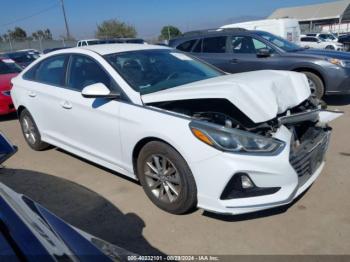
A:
[106, 49]
[92, 39]
[212, 32]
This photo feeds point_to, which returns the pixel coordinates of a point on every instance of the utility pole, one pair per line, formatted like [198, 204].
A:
[65, 20]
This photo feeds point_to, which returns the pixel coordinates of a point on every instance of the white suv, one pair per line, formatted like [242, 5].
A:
[87, 42]
[191, 134]
[315, 42]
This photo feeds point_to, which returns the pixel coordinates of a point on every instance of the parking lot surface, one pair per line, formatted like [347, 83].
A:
[116, 209]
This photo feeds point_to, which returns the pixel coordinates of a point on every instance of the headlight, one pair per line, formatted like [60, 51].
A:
[338, 62]
[234, 140]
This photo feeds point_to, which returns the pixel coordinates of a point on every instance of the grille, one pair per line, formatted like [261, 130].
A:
[309, 155]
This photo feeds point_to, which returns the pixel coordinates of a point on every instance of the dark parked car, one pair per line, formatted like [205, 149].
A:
[48, 50]
[29, 232]
[240, 50]
[345, 40]
[22, 58]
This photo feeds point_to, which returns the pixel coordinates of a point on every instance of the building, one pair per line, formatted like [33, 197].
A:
[332, 16]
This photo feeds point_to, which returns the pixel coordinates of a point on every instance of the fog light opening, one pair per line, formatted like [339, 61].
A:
[246, 182]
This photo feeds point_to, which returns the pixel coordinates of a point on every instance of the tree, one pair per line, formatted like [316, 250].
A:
[47, 34]
[5, 37]
[169, 32]
[115, 29]
[40, 34]
[18, 33]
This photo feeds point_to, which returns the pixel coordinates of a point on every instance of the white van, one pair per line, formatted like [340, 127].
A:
[286, 28]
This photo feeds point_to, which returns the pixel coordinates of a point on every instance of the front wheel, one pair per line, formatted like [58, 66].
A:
[166, 178]
[316, 84]
[30, 132]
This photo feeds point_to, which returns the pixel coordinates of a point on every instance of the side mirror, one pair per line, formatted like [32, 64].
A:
[263, 52]
[98, 90]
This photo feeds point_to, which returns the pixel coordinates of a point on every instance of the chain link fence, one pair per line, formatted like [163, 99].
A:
[40, 45]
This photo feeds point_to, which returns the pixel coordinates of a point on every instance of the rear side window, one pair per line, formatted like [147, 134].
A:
[85, 71]
[51, 71]
[308, 39]
[198, 47]
[214, 44]
[187, 46]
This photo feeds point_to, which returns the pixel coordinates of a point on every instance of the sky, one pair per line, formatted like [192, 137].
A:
[148, 16]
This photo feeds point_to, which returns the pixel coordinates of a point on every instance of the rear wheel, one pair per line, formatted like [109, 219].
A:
[330, 47]
[30, 131]
[166, 178]
[316, 84]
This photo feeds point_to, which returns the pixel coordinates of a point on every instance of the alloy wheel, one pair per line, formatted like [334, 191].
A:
[313, 87]
[29, 130]
[162, 178]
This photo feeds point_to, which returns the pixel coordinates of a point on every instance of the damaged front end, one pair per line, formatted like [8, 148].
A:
[220, 124]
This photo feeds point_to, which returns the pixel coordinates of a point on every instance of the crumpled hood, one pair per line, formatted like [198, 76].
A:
[260, 95]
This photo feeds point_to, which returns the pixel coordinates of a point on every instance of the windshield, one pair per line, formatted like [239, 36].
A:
[134, 41]
[7, 66]
[23, 57]
[149, 71]
[280, 42]
[95, 42]
[327, 37]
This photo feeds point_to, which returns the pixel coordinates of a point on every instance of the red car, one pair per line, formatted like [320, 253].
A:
[8, 70]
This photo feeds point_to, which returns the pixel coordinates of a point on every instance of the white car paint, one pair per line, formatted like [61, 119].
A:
[271, 92]
[287, 28]
[314, 42]
[107, 133]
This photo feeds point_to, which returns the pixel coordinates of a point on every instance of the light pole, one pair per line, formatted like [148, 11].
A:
[65, 19]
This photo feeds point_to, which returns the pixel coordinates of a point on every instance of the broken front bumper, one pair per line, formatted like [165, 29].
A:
[292, 172]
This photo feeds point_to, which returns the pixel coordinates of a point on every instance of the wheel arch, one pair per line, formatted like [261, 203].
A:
[140, 144]
[20, 110]
[314, 71]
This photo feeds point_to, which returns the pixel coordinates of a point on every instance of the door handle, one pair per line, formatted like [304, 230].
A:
[32, 94]
[66, 105]
[234, 61]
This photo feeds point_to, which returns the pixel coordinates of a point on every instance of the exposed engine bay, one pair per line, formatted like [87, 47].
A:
[222, 112]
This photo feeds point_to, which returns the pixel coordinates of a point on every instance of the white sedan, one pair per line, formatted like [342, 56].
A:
[191, 134]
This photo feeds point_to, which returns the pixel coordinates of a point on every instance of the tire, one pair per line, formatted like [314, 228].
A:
[176, 173]
[316, 84]
[30, 132]
[330, 47]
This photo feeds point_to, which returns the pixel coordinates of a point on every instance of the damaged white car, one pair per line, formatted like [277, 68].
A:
[191, 134]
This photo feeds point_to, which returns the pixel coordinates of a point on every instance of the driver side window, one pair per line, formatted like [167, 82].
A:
[260, 45]
[85, 71]
[242, 45]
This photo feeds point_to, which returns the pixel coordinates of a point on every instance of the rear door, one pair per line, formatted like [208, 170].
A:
[41, 91]
[213, 50]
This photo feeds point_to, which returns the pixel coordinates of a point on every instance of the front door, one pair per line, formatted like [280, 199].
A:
[90, 125]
